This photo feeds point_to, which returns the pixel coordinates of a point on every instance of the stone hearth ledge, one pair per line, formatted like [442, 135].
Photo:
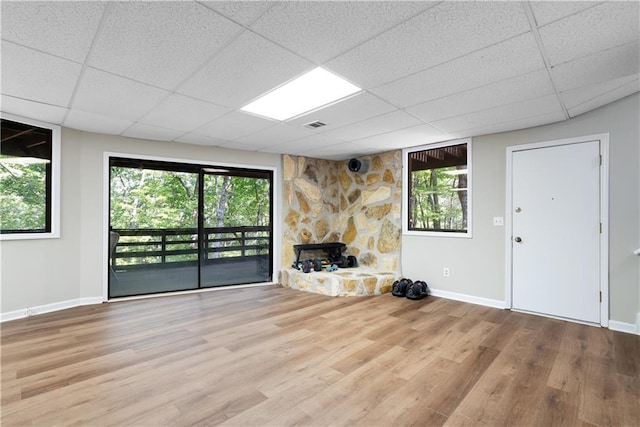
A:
[359, 281]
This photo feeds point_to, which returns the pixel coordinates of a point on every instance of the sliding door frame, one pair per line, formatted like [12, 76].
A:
[106, 196]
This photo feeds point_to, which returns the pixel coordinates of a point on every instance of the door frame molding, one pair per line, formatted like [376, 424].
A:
[604, 215]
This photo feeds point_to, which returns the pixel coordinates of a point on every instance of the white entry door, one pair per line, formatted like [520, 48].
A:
[556, 231]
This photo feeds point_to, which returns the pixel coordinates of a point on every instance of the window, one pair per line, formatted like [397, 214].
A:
[29, 178]
[437, 194]
[181, 226]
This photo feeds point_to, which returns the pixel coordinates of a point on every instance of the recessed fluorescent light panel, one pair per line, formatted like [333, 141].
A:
[313, 90]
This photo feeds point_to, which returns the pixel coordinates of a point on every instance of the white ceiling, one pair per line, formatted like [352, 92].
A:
[431, 71]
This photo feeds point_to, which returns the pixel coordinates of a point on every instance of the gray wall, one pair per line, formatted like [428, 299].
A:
[49, 271]
[41, 272]
[477, 265]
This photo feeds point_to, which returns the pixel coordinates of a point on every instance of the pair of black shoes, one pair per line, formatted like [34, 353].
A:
[410, 289]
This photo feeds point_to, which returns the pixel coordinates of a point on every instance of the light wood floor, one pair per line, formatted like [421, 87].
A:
[272, 356]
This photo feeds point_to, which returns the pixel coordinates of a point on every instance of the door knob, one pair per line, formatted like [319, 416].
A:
[518, 210]
[518, 239]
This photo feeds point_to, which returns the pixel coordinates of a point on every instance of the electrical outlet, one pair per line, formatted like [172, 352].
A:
[445, 272]
[498, 221]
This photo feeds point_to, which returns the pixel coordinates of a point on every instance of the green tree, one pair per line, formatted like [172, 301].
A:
[23, 196]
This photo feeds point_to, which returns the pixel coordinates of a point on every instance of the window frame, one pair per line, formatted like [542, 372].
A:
[405, 190]
[54, 202]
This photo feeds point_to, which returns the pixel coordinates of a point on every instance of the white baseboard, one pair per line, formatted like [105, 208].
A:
[47, 308]
[629, 328]
[468, 298]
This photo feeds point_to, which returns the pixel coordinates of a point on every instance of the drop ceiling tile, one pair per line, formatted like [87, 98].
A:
[235, 145]
[274, 135]
[242, 12]
[503, 114]
[329, 151]
[32, 110]
[160, 43]
[154, 133]
[577, 96]
[598, 68]
[322, 30]
[64, 29]
[514, 125]
[303, 145]
[549, 11]
[418, 43]
[606, 97]
[520, 88]
[37, 76]
[357, 108]
[376, 125]
[97, 123]
[183, 113]
[410, 137]
[234, 125]
[193, 138]
[593, 30]
[513, 57]
[113, 96]
[247, 68]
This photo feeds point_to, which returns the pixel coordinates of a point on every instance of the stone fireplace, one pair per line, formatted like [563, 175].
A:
[324, 201]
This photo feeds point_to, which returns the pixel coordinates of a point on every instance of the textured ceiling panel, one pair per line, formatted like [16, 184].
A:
[114, 96]
[310, 148]
[78, 119]
[192, 138]
[527, 86]
[64, 29]
[549, 11]
[183, 113]
[242, 12]
[522, 123]
[321, 30]
[274, 135]
[598, 68]
[137, 37]
[248, 67]
[24, 108]
[37, 76]
[303, 146]
[502, 114]
[357, 108]
[591, 31]
[504, 60]
[235, 145]
[380, 124]
[142, 131]
[605, 98]
[583, 94]
[181, 70]
[419, 43]
[234, 125]
[410, 137]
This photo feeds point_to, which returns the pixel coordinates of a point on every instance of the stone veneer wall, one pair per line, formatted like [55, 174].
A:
[325, 202]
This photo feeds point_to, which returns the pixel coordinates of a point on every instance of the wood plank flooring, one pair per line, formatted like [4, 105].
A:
[272, 356]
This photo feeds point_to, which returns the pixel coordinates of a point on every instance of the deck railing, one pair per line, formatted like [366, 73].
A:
[156, 247]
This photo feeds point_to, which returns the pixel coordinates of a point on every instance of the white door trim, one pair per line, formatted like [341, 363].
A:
[604, 216]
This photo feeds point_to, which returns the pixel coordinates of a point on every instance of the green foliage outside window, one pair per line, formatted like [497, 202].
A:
[163, 205]
[438, 202]
[438, 189]
[23, 196]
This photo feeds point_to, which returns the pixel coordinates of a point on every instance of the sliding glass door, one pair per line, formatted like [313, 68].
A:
[180, 226]
[236, 227]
